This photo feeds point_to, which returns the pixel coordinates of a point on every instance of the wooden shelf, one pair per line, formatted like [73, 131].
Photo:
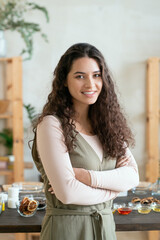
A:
[6, 172]
[6, 116]
[6, 59]
[14, 116]
[28, 165]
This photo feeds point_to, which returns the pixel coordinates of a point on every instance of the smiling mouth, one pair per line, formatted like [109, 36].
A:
[88, 93]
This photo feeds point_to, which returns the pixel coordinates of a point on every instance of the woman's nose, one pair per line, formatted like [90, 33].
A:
[89, 82]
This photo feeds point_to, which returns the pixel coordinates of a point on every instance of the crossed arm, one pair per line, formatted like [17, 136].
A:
[85, 176]
[78, 186]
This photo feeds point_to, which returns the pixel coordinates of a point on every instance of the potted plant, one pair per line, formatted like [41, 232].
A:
[6, 135]
[6, 138]
[12, 17]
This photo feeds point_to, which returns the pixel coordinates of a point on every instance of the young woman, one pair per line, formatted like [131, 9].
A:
[81, 149]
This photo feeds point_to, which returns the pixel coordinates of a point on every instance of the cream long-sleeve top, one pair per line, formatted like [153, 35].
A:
[105, 185]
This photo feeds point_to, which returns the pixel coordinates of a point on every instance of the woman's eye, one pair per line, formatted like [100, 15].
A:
[80, 76]
[97, 75]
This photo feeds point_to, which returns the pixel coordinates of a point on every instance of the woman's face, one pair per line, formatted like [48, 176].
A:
[84, 81]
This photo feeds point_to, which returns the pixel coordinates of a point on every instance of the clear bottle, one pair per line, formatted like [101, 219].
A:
[0, 208]
[2, 203]
[156, 187]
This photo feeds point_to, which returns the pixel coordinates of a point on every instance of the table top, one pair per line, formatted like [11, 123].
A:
[12, 222]
[135, 221]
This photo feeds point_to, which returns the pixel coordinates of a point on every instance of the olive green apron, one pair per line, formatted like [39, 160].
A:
[77, 222]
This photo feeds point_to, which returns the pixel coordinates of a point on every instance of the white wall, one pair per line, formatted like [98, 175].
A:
[127, 32]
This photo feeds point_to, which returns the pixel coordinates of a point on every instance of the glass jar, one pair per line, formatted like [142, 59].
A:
[144, 209]
[156, 187]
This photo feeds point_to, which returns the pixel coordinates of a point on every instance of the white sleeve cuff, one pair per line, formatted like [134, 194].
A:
[93, 178]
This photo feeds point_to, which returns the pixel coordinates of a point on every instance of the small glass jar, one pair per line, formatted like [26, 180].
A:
[156, 207]
[114, 207]
[144, 209]
[27, 207]
[41, 202]
[156, 187]
[134, 206]
[124, 209]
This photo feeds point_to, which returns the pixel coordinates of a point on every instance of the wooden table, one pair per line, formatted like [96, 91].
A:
[136, 221]
[12, 222]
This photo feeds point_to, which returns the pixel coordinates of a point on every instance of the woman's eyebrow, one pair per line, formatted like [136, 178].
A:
[79, 73]
[84, 72]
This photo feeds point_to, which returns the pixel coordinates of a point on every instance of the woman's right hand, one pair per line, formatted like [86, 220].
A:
[51, 189]
[122, 162]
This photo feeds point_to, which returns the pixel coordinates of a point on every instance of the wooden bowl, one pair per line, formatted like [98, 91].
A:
[4, 105]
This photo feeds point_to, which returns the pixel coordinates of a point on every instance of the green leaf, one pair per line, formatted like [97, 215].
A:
[44, 36]
[31, 112]
[12, 18]
[6, 138]
[43, 9]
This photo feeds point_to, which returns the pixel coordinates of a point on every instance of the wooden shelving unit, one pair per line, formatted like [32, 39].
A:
[152, 119]
[152, 125]
[14, 116]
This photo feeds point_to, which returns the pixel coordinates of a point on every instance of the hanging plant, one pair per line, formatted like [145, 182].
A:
[12, 17]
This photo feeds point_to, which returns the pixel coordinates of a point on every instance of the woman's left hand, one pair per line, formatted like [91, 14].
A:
[82, 175]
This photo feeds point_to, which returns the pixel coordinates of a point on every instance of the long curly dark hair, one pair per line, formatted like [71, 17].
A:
[106, 116]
